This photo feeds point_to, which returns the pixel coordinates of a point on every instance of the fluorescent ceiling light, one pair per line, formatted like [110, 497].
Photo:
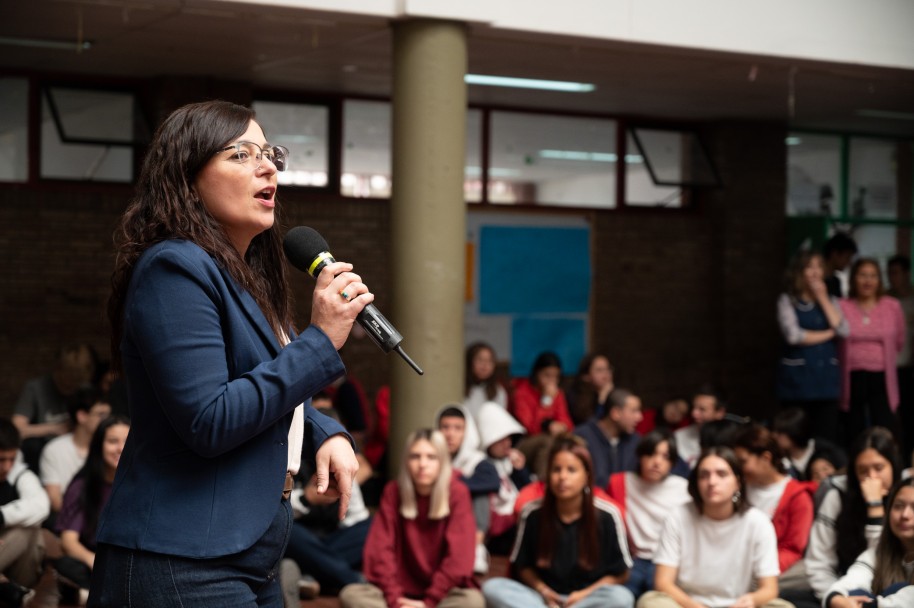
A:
[529, 83]
[793, 140]
[39, 43]
[885, 114]
[596, 157]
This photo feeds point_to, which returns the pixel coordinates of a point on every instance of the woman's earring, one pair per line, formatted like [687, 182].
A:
[736, 497]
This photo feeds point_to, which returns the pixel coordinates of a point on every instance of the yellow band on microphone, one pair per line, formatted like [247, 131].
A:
[322, 257]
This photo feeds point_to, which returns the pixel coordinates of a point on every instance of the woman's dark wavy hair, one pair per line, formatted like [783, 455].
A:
[588, 545]
[491, 383]
[794, 283]
[756, 439]
[166, 206]
[890, 552]
[851, 522]
[740, 504]
[652, 440]
[95, 475]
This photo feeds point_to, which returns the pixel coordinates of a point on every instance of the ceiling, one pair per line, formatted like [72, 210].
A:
[296, 50]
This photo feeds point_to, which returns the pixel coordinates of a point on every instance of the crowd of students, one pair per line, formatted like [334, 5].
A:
[596, 500]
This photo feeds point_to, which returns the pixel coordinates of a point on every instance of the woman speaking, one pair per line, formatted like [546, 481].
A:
[219, 384]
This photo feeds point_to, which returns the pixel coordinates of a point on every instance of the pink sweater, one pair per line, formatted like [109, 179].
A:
[886, 329]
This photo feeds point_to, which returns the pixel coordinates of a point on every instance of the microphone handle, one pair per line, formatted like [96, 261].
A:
[372, 321]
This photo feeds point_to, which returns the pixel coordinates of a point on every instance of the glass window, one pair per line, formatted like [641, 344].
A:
[366, 149]
[14, 122]
[640, 189]
[87, 135]
[554, 160]
[472, 182]
[303, 130]
[813, 174]
[675, 157]
[873, 192]
[876, 241]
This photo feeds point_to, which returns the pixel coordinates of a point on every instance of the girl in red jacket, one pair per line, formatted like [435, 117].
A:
[788, 502]
[421, 545]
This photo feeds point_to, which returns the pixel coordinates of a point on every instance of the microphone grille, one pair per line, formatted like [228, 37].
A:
[302, 244]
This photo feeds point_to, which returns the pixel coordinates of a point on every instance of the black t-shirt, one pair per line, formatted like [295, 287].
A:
[565, 575]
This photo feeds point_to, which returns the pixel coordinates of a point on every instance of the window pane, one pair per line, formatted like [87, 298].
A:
[813, 174]
[640, 189]
[366, 149]
[876, 241]
[94, 116]
[303, 130]
[675, 157]
[873, 193]
[472, 182]
[552, 160]
[14, 119]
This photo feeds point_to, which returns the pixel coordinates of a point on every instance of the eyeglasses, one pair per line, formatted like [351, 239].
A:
[249, 153]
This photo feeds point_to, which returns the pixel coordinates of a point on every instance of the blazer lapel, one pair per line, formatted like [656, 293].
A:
[255, 315]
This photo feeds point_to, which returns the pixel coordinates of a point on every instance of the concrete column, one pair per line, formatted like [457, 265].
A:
[428, 221]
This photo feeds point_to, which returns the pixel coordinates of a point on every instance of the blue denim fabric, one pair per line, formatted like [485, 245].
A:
[508, 593]
[127, 578]
[334, 560]
[641, 577]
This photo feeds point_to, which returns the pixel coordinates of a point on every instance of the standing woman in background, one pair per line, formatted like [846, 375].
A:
[481, 382]
[877, 333]
[219, 385]
[809, 375]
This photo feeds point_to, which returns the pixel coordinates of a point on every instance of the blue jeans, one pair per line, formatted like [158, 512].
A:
[140, 579]
[509, 593]
[641, 577]
[335, 559]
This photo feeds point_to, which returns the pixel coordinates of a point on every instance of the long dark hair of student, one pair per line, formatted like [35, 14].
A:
[544, 360]
[490, 384]
[583, 390]
[167, 207]
[588, 549]
[852, 519]
[889, 550]
[94, 474]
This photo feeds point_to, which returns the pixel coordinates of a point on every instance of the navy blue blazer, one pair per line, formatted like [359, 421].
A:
[211, 398]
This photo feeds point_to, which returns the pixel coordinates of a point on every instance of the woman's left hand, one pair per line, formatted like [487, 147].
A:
[335, 457]
[744, 601]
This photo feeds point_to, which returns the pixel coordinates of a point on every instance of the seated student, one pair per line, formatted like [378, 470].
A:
[323, 550]
[23, 506]
[497, 428]
[570, 547]
[786, 501]
[672, 415]
[706, 407]
[327, 551]
[825, 462]
[479, 475]
[648, 495]
[419, 550]
[791, 429]
[612, 439]
[539, 403]
[850, 516]
[482, 383]
[65, 455]
[83, 502]
[717, 549]
[882, 575]
[591, 388]
[40, 413]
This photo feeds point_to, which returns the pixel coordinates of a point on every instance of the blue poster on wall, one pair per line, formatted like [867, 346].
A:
[524, 270]
[531, 336]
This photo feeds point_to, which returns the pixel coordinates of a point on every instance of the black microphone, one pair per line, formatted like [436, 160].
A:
[307, 250]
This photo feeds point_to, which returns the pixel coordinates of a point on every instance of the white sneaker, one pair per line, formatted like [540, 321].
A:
[481, 563]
